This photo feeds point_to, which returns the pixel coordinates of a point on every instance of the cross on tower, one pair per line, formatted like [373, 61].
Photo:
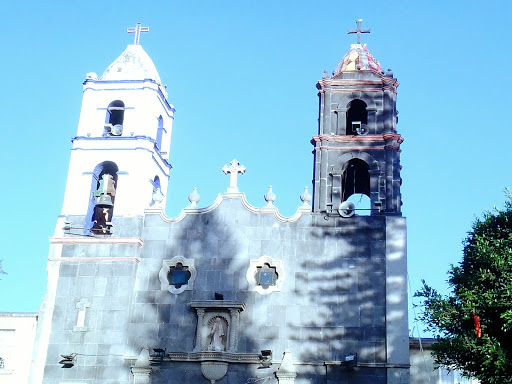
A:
[137, 30]
[233, 171]
[358, 30]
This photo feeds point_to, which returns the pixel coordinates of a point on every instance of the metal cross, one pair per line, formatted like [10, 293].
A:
[137, 30]
[233, 171]
[358, 30]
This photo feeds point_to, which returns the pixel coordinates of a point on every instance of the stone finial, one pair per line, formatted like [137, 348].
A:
[157, 197]
[305, 197]
[270, 197]
[194, 198]
[143, 359]
[286, 372]
[141, 371]
[234, 169]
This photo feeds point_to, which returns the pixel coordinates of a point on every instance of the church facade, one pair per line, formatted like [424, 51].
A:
[230, 293]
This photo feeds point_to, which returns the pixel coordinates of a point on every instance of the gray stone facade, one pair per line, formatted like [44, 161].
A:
[235, 294]
[338, 274]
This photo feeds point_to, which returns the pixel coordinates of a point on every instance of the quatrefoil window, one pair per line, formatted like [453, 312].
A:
[177, 275]
[265, 275]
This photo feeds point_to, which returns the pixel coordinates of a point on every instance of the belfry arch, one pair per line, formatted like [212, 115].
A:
[104, 168]
[357, 117]
[355, 173]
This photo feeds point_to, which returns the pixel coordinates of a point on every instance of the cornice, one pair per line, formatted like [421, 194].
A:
[365, 138]
[386, 140]
[97, 240]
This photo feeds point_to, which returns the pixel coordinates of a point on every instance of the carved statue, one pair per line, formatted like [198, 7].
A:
[217, 342]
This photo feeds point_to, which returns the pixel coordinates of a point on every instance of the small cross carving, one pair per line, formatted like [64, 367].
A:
[137, 30]
[358, 30]
[234, 169]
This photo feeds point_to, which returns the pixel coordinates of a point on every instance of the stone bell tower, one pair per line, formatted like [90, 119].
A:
[357, 150]
[119, 167]
[119, 159]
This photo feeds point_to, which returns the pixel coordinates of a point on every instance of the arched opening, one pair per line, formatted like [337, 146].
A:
[357, 118]
[362, 204]
[355, 179]
[114, 118]
[102, 198]
[159, 133]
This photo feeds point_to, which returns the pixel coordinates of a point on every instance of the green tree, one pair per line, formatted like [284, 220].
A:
[481, 289]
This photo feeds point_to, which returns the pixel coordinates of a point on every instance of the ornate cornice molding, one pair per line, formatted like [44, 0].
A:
[390, 138]
[97, 240]
[93, 259]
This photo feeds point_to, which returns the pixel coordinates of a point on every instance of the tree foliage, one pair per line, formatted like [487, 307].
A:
[481, 286]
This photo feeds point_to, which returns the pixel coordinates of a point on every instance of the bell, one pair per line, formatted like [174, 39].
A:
[104, 201]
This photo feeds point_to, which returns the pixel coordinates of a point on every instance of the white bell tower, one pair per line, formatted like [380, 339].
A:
[119, 158]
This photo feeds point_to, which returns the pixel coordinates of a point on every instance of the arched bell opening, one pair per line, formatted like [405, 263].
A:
[362, 204]
[114, 118]
[357, 118]
[355, 185]
[102, 198]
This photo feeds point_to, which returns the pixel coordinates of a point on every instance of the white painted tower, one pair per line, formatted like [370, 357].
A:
[125, 132]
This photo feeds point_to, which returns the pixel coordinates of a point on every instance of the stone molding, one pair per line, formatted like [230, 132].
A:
[97, 240]
[250, 275]
[371, 138]
[242, 358]
[164, 272]
[93, 259]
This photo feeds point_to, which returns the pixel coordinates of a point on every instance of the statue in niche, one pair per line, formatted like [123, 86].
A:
[217, 334]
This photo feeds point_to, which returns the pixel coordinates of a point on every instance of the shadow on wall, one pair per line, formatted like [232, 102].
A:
[160, 319]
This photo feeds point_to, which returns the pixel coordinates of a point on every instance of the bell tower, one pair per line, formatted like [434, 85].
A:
[357, 149]
[119, 159]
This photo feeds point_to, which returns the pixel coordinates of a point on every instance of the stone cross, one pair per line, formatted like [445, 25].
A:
[137, 30]
[358, 30]
[234, 169]
[82, 306]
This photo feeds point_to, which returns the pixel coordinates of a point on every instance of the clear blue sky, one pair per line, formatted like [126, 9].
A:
[242, 77]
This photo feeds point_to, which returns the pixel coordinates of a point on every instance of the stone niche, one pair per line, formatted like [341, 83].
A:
[217, 325]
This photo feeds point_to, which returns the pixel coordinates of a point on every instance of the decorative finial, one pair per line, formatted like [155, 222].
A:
[194, 198]
[358, 30]
[137, 30]
[305, 197]
[270, 197]
[234, 169]
[157, 197]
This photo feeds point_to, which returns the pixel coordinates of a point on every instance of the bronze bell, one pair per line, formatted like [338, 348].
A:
[104, 201]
